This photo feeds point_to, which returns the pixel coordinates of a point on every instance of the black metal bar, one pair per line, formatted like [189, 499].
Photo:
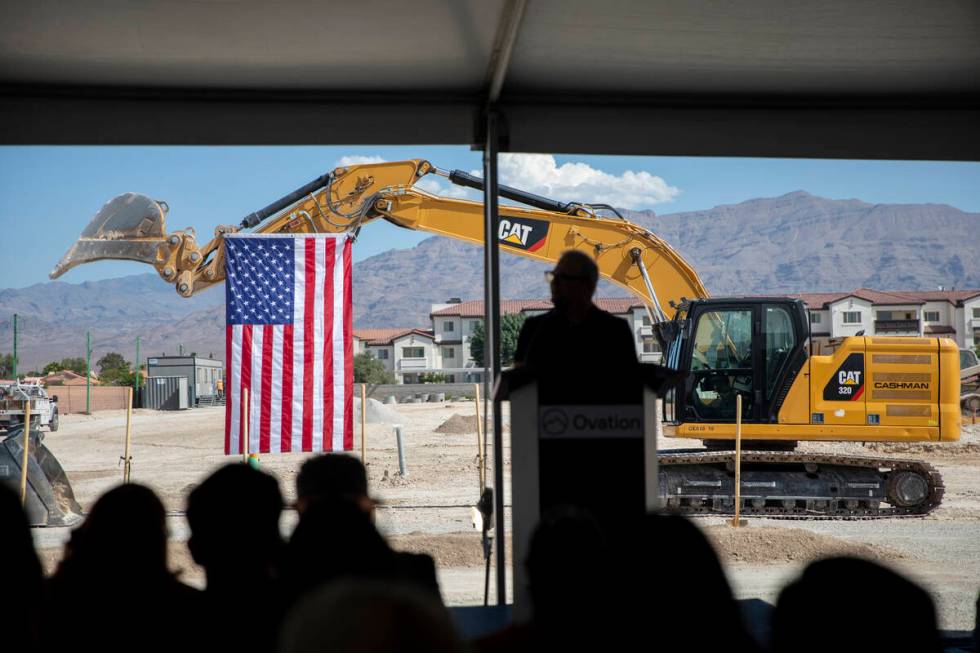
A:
[491, 290]
[253, 219]
[461, 178]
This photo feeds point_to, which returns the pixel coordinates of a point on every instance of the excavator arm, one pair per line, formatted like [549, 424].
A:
[133, 227]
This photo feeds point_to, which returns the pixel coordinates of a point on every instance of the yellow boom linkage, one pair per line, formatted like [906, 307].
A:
[133, 227]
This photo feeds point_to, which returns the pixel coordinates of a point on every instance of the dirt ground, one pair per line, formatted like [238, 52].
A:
[429, 508]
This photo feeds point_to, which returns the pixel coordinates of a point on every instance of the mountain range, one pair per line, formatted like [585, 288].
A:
[793, 243]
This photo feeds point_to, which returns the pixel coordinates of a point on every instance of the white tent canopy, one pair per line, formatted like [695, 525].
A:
[874, 79]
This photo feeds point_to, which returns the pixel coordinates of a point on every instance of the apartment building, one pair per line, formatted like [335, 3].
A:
[953, 314]
[405, 352]
[444, 347]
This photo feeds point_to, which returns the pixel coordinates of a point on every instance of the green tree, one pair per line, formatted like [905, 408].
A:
[6, 366]
[368, 369]
[112, 361]
[114, 370]
[76, 365]
[510, 329]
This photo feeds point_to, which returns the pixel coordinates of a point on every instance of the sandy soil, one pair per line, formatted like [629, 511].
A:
[428, 509]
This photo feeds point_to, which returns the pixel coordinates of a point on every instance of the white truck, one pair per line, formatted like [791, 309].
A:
[44, 409]
[969, 381]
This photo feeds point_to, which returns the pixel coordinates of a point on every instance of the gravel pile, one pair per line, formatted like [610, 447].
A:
[377, 413]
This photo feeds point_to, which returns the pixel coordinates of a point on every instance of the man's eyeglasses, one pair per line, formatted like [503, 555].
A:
[551, 276]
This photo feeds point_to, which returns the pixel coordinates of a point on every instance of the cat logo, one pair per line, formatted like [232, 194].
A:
[848, 383]
[522, 233]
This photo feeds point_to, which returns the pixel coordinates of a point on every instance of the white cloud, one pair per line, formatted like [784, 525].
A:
[580, 182]
[434, 186]
[357, 159]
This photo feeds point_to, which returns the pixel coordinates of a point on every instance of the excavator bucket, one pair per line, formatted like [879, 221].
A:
[50, 499]
[130, 226]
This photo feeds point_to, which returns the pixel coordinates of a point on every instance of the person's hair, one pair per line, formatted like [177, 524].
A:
[583, 262]
[234, 505]
[830, 584]
[126, 529]
[368, 615]
[331, 476]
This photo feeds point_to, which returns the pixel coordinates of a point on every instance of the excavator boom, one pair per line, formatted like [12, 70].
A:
[133, 227]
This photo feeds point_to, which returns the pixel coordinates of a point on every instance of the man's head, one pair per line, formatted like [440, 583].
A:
[332, 476]
[235, 504]
[573, 281]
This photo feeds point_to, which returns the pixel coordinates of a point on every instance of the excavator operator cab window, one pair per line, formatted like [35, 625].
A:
[780, 341]
[721, 364]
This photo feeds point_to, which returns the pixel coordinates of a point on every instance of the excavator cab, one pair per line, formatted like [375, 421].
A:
[752, 348]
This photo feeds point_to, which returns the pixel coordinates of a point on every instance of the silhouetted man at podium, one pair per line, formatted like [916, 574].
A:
[576, 342]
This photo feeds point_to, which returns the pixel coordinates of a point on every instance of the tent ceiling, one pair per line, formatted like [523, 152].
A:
[710, 77]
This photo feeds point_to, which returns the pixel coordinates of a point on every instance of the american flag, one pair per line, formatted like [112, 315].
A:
[289, 343]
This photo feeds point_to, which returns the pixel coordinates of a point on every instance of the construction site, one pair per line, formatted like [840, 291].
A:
[731, 464]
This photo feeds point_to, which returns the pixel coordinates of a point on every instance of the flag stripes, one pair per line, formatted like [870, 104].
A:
[289, 343]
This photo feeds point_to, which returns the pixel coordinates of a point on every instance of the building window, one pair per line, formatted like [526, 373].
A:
[814, 318]
[413, 352]
[646, 320]
[448, 352]
[852, 317]
[651, 346]
[447, 326]
[931, 316]
[976, 314]
[382, 354]
[474, 324]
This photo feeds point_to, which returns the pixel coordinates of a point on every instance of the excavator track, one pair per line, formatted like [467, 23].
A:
[795, 485]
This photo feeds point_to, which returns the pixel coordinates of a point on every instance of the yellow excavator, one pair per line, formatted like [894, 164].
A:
[884, 389]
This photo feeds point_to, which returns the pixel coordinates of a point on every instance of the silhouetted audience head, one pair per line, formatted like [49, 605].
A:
[125, 529]
[573, 280]
[878, 610]
[234, 520]
[334, 539]
[113, 591]
[368, 617]
[333, 476]
[680, 577]
[21, 573]
[563, 579]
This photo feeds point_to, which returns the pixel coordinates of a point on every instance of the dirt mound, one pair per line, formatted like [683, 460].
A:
[458, 424]
[762, 544]
[448, 549]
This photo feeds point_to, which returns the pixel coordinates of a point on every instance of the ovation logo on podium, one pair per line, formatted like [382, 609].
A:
[625, 421]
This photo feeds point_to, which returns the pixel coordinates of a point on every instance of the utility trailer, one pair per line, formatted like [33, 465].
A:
[44, 409]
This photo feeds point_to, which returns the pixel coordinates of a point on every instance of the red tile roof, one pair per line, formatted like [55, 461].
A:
[510, 306]
[387, 336]
[507, 307]
[816, 300]
[956, 297]
[885, 298]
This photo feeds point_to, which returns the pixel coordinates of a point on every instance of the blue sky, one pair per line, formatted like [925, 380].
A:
[48, 194]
